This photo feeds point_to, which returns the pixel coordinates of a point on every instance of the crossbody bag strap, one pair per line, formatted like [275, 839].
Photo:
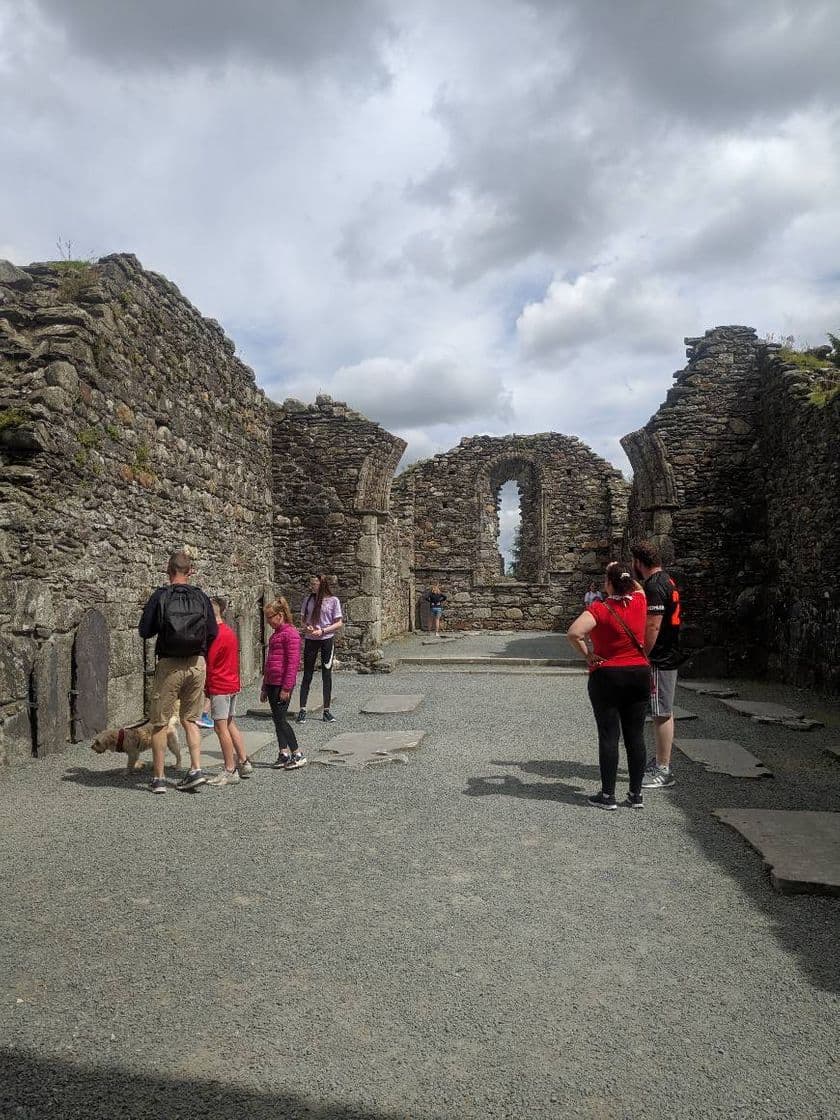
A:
[628, 632]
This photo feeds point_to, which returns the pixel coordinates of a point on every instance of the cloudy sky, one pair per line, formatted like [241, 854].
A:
[482, 216]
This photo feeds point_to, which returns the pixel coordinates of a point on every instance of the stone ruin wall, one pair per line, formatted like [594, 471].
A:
[573, 510]
[736, 477]
[332, 472]
[127, 428]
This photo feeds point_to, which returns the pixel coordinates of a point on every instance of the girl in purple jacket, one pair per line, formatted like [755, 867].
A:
[281, 666]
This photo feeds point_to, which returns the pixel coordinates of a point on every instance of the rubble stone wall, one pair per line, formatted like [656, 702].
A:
[332, 472]
[127, 428]
[573, 511]
[799, 601]
[736, 478]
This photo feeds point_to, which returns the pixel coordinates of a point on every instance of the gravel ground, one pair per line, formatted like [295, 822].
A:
[455, 937]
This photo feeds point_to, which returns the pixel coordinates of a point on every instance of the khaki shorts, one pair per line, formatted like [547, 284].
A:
[177, 679]
[223, 706]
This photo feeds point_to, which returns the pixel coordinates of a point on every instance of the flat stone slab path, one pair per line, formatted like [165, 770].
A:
[723, 756]
[393, 703]
[762, 708]
[360, 749]
[802, 849]
[211, 753]
[721, 689]
[679, 713]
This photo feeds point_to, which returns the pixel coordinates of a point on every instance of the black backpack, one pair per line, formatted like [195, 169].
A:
[182, 621]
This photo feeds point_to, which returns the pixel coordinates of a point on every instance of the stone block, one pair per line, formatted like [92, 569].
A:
[723, 756]
[720, 689]
[364, 608]
[358, 750]
[802, 849]
[392, 703]
[763, 709]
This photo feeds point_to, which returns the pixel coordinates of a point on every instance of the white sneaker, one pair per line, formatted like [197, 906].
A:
[225, 778]
[246, 768]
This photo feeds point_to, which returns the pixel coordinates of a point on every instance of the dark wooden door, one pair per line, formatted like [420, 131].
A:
[89, 690]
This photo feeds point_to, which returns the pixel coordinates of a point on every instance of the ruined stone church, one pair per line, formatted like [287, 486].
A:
[128, 427]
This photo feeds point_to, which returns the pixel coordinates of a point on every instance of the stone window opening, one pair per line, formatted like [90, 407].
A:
[509, 540]
[510, 498]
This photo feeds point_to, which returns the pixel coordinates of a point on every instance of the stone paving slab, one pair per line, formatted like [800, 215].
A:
[802, 849]
[356, 750]
[723, 756]
[393, 703]
[443, 640]
[211, 752]
[679, 713]
[264, 712]
[762, 708]
[833, 752]
[721, 689]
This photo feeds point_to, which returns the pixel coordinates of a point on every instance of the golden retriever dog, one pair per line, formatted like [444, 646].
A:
[132, 741]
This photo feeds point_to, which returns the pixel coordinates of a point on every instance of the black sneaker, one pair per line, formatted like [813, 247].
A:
[283, 760]
[635, 801]
[158, 785]
[328, 716]
[301, 716]
[193, 779]
[601, 801]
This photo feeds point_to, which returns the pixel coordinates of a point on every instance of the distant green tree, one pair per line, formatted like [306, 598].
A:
[515, 553]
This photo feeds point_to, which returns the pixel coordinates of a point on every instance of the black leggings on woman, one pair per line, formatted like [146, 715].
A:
[311, 648]
[620, 700]
[286, 738]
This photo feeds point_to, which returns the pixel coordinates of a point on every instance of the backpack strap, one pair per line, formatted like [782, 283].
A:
[628, 632]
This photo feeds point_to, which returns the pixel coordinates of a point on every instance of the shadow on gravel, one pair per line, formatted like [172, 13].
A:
[33, 1088]
[807, 926]
[556, 768]
[99, 779]
[504, 785]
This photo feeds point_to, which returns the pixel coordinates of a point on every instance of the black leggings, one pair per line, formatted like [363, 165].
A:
[620, 700]
[286, 738]
[311, 648]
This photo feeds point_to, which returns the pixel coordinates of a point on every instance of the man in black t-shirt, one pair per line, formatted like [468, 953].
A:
[662, 644]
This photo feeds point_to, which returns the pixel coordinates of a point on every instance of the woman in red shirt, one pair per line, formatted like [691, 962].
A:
[619, 680]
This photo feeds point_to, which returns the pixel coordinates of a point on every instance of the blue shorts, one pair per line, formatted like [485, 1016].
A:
[437, 611]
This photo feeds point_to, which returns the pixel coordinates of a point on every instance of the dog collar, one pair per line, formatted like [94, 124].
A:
[120, 739]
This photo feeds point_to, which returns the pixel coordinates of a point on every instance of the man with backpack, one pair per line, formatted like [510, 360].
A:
[182, 616]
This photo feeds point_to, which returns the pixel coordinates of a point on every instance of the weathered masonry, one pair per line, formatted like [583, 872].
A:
[737, 477]
[573, 512]
[332, 472]
[127, 428]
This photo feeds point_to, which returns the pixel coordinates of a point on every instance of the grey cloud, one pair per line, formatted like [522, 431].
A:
[294, 34]
[715, 63]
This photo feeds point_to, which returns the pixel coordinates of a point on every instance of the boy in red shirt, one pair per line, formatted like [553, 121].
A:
[222, 687]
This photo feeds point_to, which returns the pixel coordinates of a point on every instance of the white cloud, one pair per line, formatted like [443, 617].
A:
[600, 308]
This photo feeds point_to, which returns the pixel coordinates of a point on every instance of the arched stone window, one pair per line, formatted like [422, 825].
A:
[525, 473]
